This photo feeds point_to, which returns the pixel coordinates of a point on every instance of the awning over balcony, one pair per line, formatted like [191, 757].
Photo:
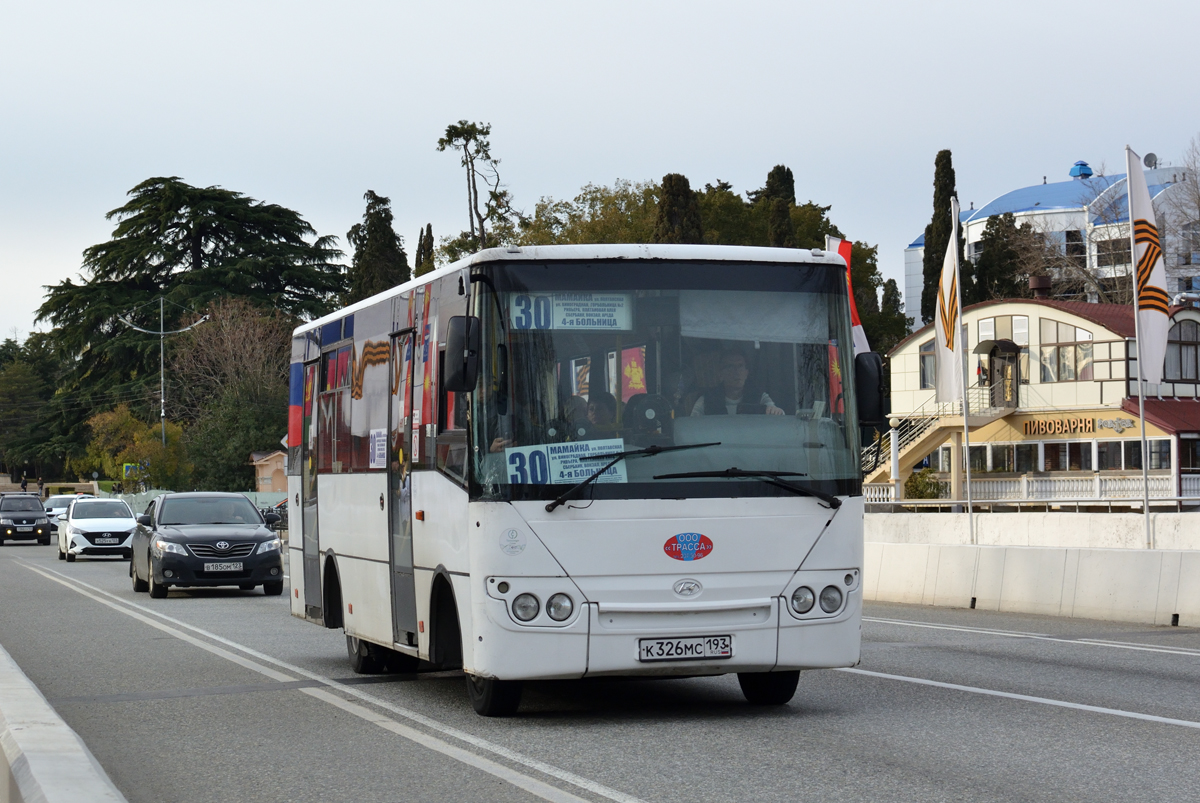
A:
[1171, 415]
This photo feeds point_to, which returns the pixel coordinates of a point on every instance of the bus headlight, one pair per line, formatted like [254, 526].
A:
[525, 607]
[803, 599]
[560, 607]
[831, 599]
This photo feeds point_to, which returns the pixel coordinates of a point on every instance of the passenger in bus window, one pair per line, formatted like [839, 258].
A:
[734, 396]
[602, 408]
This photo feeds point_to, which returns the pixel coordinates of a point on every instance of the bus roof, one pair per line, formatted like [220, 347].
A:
[718, 253]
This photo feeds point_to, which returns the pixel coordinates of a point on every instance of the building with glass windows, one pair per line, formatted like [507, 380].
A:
[1086, 220]
[1053, 407]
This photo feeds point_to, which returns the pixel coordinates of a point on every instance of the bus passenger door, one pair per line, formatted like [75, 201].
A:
[404, 592]
[308, 494]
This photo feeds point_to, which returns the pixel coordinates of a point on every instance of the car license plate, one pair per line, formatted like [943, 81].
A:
[24, 529]
[108, 540]
[223, 567]
[685, 649]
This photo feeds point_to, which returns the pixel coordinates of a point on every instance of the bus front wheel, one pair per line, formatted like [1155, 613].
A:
[494, 698]
[769, 688]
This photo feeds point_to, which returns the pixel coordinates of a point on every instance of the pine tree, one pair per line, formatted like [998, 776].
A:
[937, 233]
[781, 184]
[379, 261]
[678, 218]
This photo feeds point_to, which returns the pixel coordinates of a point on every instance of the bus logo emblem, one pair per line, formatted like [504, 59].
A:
[688, 546]
[688, 587]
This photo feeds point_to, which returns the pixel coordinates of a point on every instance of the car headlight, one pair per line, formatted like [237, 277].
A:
[831, 599]
[74, 531]
[560, 607]
[274, 545]
[159, 547]
[6, 522]
[42, 520]
[803, 599]
[525, 607]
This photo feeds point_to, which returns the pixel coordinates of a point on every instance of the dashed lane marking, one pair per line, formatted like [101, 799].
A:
[530, 784]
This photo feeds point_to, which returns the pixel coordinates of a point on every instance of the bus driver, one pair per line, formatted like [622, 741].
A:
[726, 398]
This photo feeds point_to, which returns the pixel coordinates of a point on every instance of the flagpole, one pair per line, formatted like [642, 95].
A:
[966, 408]
[1137, 333]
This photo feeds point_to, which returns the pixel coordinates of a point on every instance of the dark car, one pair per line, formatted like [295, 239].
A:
[205, 539]
[22, 517]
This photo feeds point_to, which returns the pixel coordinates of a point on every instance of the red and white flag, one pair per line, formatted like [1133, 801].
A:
[842, 249]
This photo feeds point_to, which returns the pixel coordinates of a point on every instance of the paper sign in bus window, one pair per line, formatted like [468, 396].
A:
[560, 463]
[580, 311]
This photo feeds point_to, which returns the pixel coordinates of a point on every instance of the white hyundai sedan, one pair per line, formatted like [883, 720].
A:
[96, 527]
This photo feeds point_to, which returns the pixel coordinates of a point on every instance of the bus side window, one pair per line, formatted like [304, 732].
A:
[452, 429]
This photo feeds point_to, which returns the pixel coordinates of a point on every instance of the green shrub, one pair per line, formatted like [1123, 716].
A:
[922, 484]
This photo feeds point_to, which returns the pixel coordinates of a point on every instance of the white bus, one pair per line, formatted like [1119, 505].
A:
[584, 461]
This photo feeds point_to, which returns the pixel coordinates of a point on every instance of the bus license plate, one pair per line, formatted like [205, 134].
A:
[108, 540]
[222, 567]
[685, 649]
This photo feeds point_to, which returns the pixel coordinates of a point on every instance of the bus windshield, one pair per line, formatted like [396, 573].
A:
[590, 358]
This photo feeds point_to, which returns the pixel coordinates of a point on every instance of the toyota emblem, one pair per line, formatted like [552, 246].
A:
[688, 587]
[222, 545]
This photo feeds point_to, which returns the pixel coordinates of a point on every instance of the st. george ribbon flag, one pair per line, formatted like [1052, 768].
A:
[947, 350]
[842, 248]
[1151, 276]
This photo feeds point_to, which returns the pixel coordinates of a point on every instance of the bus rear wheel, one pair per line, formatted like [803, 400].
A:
[365, 658]
[494, 698]
[769, 688]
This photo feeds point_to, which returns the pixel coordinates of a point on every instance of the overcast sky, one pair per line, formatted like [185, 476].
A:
[309, 104]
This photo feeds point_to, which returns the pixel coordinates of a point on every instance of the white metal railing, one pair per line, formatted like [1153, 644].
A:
[915, 424]
[1052, 489]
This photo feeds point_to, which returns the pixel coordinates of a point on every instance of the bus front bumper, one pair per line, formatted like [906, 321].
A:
[616, 640]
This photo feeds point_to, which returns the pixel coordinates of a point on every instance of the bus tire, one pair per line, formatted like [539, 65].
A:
[769, 688]
[364, 657]
[494, 698]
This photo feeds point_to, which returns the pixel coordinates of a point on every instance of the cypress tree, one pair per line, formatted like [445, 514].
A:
[424, 259]
[781, 184]
[678, 218]
[781, 233]
[937, 233]
[379, 261]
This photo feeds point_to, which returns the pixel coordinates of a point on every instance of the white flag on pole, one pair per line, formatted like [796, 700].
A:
[947, 350]
[842, 248]
[1149, 273]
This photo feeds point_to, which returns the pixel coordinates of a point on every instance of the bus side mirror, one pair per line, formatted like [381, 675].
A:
[462, 354]
[868, 387]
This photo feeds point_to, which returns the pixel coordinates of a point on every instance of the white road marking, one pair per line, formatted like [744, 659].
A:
[1116, 712]
[1123, 645]
[530, 784]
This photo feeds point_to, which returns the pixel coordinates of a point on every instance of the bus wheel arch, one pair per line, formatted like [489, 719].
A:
[445, 627]
[331, 593]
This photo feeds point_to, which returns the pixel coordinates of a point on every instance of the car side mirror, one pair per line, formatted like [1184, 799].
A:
[143, 520]
[868, 387]
[272, 518]
[462, 354]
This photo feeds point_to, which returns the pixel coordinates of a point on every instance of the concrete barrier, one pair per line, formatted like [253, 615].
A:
[1068, 530]
[1156, 586]
[41, 759]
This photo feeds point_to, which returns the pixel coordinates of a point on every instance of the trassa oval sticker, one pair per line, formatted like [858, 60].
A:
[688, 546]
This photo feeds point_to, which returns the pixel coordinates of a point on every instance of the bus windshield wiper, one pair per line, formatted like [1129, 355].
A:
[769, 477]
[616, 458]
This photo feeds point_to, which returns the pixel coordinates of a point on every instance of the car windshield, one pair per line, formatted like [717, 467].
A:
[209, 510]
[21, 504]
[588, 359]
[101, 509]
[59, 501]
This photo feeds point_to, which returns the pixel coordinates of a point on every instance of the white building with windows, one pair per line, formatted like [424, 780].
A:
[1086, 218]
[1053, 408]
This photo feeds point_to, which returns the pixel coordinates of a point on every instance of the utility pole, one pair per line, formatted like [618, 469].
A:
[162, 369]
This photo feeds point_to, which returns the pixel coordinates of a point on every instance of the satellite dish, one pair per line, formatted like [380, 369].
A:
[1150, 160]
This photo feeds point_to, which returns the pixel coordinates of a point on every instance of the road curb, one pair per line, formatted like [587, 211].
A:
[41, 759]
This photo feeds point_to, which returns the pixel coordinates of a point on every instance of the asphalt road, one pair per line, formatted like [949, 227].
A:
[221, 695]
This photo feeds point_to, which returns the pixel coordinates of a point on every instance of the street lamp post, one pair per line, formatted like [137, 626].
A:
[162, 370]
